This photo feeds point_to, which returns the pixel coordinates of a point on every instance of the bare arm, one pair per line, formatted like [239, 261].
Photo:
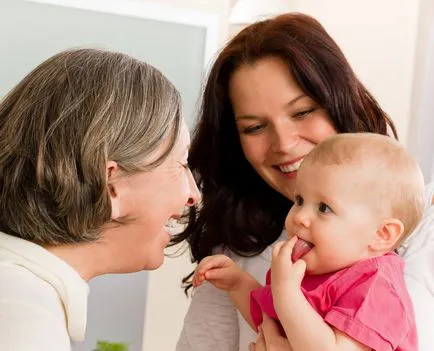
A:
[307, 331]
[241, 296]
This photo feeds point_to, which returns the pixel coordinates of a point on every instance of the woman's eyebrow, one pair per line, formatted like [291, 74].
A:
[299, 97]
[247, 117]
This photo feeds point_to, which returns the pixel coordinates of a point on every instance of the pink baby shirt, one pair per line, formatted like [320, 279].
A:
[367, 301]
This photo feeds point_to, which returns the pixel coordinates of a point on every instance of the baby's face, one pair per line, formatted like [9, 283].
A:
[333, 216]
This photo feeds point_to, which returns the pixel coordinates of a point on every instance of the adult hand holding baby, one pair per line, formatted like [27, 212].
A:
[269, 338]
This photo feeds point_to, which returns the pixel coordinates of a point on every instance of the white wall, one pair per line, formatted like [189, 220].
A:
[218, 7]
[421, 131]
[166, 304]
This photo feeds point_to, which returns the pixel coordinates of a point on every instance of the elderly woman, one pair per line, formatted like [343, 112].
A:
[93, 164]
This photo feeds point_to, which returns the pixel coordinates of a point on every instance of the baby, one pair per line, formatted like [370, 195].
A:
[337, 283]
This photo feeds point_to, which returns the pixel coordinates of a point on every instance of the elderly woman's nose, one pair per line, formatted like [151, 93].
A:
[195, 195]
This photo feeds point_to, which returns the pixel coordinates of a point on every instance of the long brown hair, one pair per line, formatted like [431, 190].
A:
[239, 210]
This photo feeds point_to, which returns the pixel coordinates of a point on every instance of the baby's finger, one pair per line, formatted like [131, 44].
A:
[288, 246]
[276, 248]
[214, 274]
[299, 268]
[211, 262]
[195, 280]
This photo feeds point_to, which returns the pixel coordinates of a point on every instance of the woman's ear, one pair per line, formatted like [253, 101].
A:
[387, 235]
[112, 172]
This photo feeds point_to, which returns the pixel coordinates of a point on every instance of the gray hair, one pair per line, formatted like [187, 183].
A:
[58, 128]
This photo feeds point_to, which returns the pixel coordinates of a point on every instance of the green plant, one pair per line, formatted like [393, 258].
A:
[110, 346]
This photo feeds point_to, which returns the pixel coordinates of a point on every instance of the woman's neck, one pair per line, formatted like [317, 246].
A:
[88, 259]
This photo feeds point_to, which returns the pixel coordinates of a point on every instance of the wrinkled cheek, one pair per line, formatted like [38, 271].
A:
[185, 187]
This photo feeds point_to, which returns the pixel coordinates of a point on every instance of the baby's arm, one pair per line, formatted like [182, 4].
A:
[304, 327]
[224, 274]
[307, 331]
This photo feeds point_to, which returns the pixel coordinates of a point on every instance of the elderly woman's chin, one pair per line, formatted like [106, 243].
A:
[154, 264]
[139, 261]
[152, 255]
[134, 249]
[154, 259]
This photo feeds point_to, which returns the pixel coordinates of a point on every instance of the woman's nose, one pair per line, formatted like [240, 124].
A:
[195, 195]
[284, 137]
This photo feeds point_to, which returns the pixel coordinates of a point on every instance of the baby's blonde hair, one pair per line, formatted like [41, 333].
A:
[399, 186]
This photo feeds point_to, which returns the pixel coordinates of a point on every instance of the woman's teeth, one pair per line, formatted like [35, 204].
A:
[292, 167]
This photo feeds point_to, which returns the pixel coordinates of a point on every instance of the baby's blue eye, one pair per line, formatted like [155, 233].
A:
[324, 208]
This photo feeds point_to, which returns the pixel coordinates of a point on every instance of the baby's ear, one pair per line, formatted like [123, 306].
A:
[387, 235]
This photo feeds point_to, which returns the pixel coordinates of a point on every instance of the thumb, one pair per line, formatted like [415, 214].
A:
[299, 269]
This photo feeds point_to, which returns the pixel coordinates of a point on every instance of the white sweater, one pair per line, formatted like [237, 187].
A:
[43, 301]
[213, 324]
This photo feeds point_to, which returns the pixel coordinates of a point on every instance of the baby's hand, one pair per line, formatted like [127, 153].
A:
[220, 271]
[286, 276]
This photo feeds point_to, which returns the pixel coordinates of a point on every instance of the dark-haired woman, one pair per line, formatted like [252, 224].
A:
[276, 90]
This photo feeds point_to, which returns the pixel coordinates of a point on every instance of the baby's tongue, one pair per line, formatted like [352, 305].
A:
[300, 249]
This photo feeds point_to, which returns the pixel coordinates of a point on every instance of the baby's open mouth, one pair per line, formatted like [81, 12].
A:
[301, 248]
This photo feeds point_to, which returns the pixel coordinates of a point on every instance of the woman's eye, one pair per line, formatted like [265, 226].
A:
[303, 113]
[253, 129]
[324, 208]
[298, 200]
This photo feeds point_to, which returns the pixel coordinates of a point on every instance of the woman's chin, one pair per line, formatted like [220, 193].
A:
[148, 262]
[152, 263]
